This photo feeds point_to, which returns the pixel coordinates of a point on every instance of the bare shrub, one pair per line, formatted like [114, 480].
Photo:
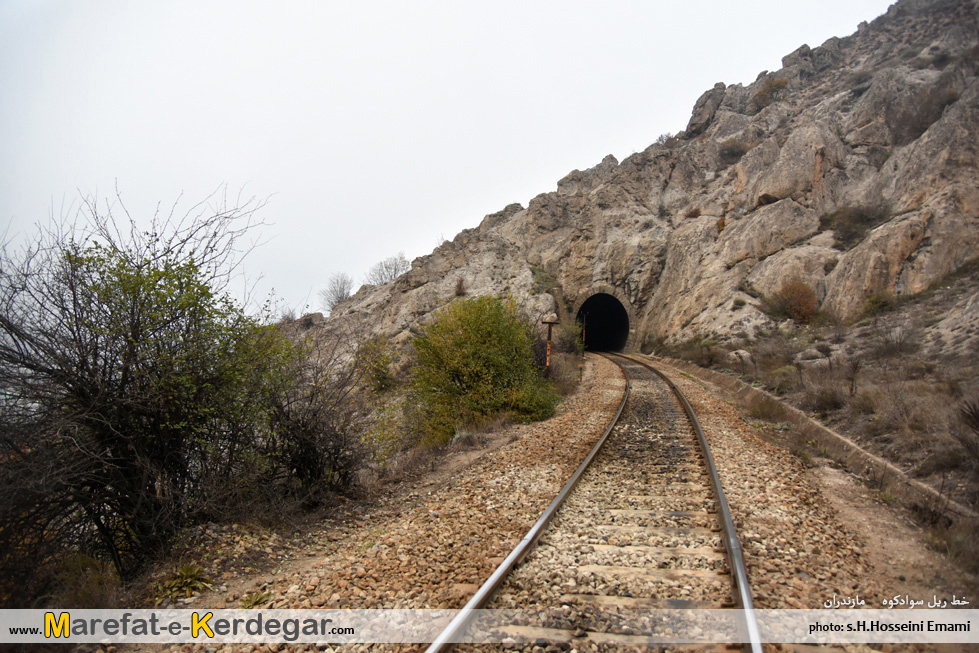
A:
[567, 338]
[137, 398]
[910, 414]
[731, 151]
[969, 437]
[824, 399]
[783, 380]
[699, 349]
[766, 408]
[963, 543]
[850, 224]
[565, 372]
[85, 583]
[773, 90]
[338, 288]
[896, 341]
[387, 270]
[864, 403]
[795, 300]
[668, 140]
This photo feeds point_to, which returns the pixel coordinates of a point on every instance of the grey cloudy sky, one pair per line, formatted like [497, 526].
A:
[372, 126]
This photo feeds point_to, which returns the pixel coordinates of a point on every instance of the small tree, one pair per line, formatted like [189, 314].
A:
[474, 361]
[338, 288]
[388, 270]
[136, 397]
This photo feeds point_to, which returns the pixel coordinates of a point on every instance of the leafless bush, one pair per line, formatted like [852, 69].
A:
[775, 351]
[851, 223]
[773, 90]
[896, 341]
[338, 288]
[731, 151]
[565, 371]
[909, 416]
[824, 399]
[864, 402]
[388, 270]
[969, 437]
[764, 407]
[795, 300]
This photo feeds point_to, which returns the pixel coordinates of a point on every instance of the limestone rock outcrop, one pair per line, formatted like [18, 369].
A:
[691, 230]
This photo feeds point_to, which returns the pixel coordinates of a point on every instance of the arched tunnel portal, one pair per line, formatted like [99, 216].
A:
[605, 323]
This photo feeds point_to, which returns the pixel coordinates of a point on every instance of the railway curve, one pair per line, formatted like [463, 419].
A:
[642, 527]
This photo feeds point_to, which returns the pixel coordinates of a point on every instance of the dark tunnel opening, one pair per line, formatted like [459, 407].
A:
[605, 323]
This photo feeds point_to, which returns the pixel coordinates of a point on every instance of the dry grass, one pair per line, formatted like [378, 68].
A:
[566, 372]
[765, 408]
[895, 382]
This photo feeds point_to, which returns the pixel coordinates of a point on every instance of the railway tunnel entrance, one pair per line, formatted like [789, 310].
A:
[605, 323]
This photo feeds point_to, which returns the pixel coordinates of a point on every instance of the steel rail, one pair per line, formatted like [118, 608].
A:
[461, 620]
[739, 575]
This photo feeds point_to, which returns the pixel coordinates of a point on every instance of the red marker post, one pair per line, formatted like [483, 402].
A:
[550, 321]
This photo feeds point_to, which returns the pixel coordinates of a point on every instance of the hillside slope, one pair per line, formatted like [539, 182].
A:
[853, 169]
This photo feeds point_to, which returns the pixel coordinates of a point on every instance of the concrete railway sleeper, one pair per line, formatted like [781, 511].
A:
[643, 529]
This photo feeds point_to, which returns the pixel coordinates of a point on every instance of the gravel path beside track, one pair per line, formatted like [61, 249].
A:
[440, 549]
[436, 552]
[797, 551]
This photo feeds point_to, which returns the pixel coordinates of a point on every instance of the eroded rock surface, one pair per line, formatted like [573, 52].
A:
[882, 120]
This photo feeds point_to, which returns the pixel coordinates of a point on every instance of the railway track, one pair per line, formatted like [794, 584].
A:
[640, 533]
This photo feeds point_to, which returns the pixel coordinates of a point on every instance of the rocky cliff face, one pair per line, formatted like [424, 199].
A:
[854, 168]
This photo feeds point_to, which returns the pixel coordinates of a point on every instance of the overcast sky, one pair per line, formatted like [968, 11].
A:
[371, 127]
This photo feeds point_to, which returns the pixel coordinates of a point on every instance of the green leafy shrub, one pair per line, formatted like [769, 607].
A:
[543, 281]
[139, 398]
[474, 361]
[374, 363]
[186, 580]
[254, 599]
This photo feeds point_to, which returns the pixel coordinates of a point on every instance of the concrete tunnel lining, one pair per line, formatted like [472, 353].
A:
[605, 323]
